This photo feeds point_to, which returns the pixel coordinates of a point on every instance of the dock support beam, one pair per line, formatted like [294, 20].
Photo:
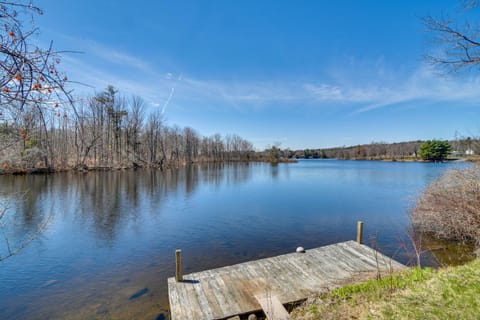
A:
[360, 232]
[178, 263]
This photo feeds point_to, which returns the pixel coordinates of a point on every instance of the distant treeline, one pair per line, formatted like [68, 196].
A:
[106, 131]
[384, 151]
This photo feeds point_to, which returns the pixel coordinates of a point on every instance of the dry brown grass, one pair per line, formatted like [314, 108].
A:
[450, 207]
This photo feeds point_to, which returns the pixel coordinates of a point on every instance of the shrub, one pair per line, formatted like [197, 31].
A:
[32, 156]
[450, 207]
[434, 150]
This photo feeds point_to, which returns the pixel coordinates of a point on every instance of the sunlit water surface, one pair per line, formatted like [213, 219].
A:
[109, 244]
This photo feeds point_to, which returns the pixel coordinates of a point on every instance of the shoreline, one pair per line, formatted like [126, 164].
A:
[135, 166]
[132, 166]
[473, 160]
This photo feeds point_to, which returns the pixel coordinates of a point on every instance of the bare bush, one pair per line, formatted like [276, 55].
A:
[450, 207]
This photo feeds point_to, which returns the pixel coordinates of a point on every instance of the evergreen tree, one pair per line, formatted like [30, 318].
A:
[434, 150]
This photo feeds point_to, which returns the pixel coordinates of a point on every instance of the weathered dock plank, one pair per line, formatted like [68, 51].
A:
[273, 308]
[233, 290]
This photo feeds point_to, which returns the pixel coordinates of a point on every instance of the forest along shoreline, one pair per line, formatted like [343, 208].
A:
[9, 170]
[185, 147]
[110, 131]
[132, 166]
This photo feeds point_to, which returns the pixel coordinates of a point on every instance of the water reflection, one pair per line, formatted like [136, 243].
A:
[113, 234]
[25, 211]
[107, 200]
[446, 253]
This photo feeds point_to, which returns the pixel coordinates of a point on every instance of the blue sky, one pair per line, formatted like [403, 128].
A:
[306, 74]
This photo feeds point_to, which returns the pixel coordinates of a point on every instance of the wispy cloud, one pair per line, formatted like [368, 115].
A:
[98, 53]
[247, 91]
[325, 92]
[422, 84]
[116, 57]
[97, 69]
[101, 66]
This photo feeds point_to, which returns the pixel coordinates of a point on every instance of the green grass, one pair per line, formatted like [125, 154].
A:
[451, 293]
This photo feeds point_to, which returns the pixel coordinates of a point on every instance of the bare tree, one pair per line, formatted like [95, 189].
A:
[134, 127]
[191, 144]
[28, 74]
[31, 86]
[459, 43]
[31, 89]
[152, 139]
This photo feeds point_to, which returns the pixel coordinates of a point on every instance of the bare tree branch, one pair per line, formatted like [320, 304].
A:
[470, 4]
[29, 74]
[22, 245]
[458, 44]
[32, 88]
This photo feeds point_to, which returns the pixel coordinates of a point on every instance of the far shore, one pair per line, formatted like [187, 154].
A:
[135, 166]
[131, 166]
[409, 159]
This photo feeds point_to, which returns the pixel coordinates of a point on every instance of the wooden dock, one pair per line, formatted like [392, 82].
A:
[234, 290]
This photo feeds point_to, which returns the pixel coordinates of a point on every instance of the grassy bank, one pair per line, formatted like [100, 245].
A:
[449, 293]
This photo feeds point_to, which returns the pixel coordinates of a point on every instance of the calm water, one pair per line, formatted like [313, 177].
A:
[109, 246]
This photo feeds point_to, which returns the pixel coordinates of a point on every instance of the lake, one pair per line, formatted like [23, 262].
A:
[110, 241]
